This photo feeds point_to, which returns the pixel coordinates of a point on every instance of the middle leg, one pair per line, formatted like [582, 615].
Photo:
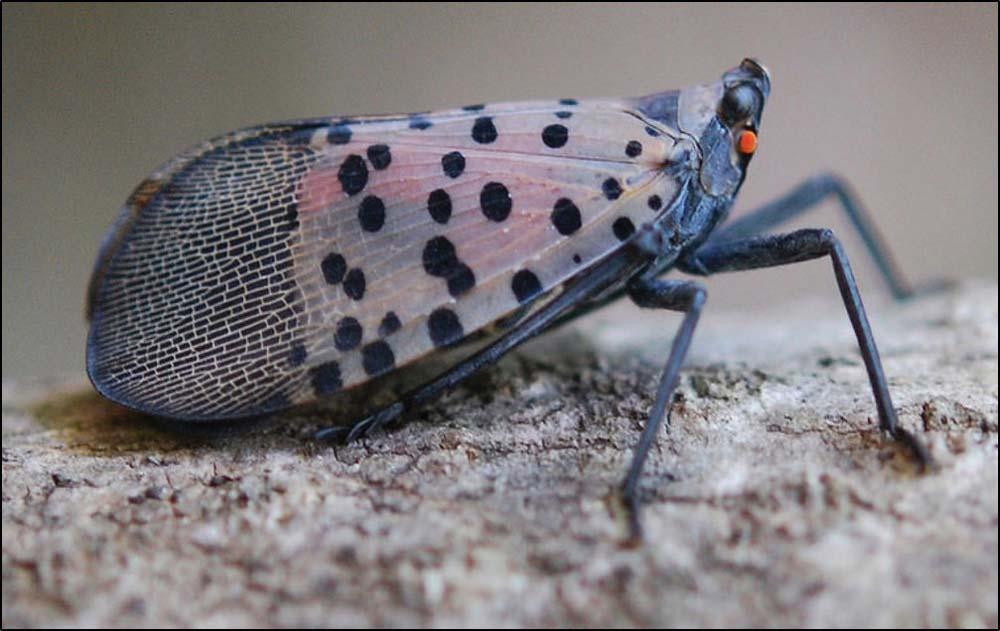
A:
[676, 295]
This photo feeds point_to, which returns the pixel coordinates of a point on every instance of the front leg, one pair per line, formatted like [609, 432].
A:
[804, 245]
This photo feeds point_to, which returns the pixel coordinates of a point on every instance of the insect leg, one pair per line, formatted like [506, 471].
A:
[804, 245]
[676, 295]
[803, 198]
[605, 275]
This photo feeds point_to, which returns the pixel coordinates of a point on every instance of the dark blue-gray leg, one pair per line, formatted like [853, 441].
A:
[676, 295]
[801, 199]
[804, 245]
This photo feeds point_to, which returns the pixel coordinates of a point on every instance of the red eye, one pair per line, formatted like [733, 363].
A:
[747, 142]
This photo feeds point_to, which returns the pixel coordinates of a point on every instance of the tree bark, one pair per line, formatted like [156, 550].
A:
[773, 501]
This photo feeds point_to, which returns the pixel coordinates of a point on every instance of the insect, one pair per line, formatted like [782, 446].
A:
[284, 263]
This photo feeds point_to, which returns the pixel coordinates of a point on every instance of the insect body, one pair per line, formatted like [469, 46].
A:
[284, 263]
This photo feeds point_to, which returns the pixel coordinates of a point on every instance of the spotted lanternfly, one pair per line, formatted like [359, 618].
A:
[283, 263]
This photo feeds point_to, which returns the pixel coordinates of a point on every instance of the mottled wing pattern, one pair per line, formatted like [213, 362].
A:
[193, 300]
[287, 262]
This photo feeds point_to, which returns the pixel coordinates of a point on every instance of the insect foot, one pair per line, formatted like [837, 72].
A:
[363, 427]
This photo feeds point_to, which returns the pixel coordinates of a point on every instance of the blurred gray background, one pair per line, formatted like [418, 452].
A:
[901, 100]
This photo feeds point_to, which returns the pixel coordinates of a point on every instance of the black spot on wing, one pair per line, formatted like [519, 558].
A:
[623, 228]
[484, 131]
[612, 188]
[566, 216]
[379, 156]
[555, 136]
[439, 206]
[371, 213]
[420, 123]
[495, 201]
[390, 324]
[439, 256]
[354, 284]
[525, 285]
[348, 334]
[444, 327]
[338, 134]
[353, 174]
[461, 280]
[334, 267]
[440, 260]
[377, 358]
[453, 164]
[326, 378]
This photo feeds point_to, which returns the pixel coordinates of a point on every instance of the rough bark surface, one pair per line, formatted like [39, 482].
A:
[773, 501]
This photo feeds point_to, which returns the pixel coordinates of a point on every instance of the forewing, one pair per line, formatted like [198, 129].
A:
[288, 262]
